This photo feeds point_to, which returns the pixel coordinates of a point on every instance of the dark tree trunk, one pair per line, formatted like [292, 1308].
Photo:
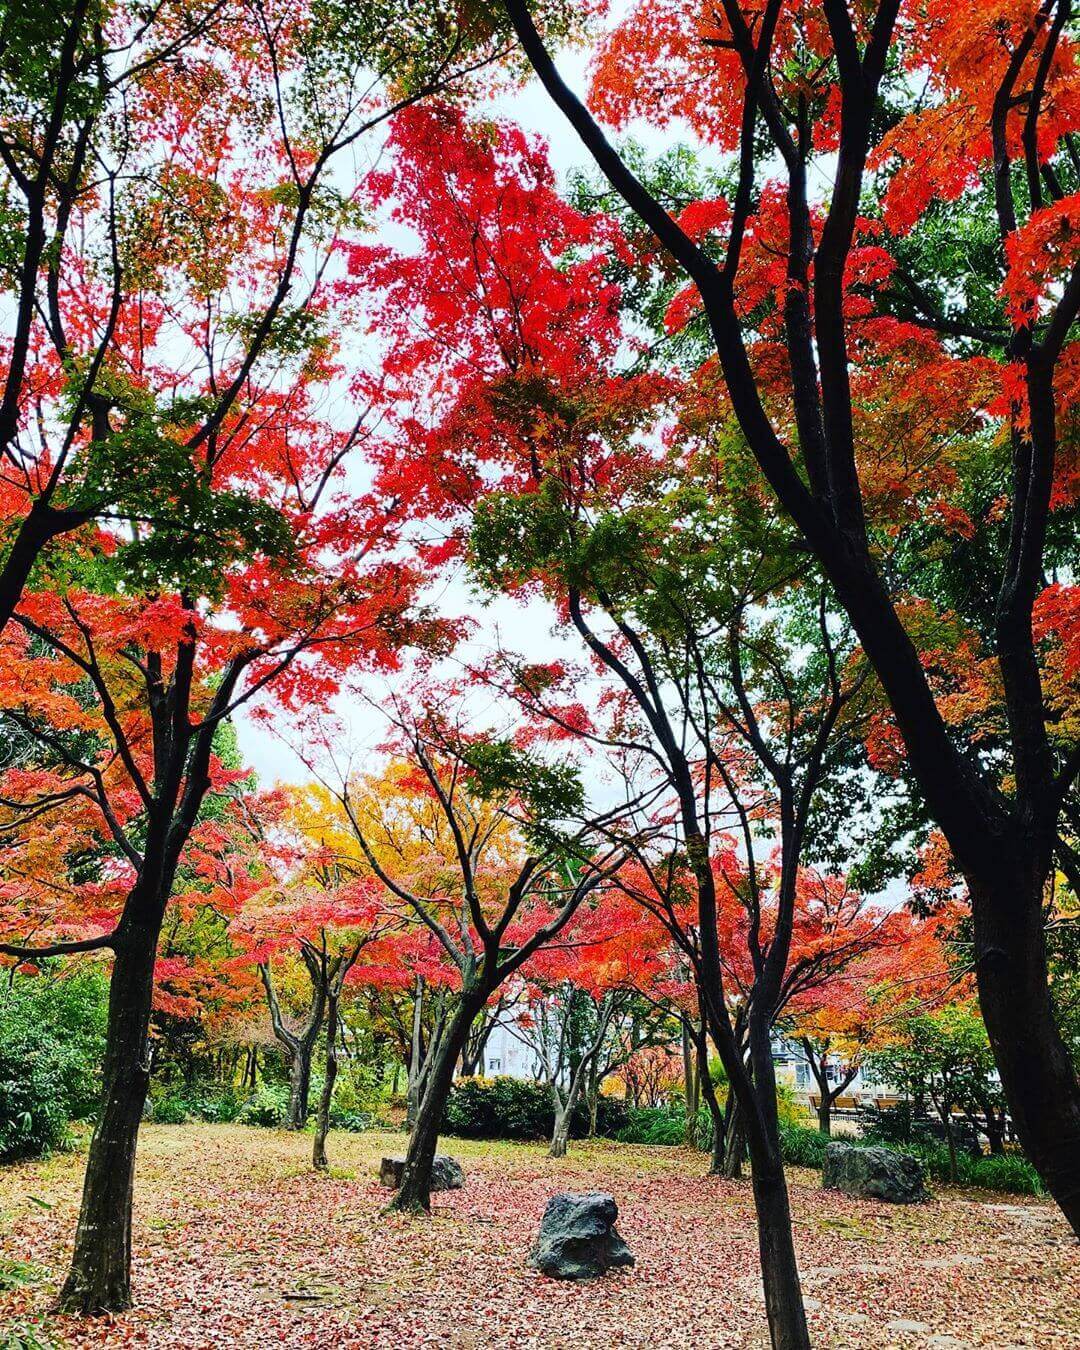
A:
[299, 1086]
[414, 1193]
[691, 1084]
[779, 1267]
[716, 1111]
[734, 1142]
[1036, 1071]
[824, 1113]
[594, 1104]
[99, 1278]
[322, 1119]
[716, 1166]
[995, 1131]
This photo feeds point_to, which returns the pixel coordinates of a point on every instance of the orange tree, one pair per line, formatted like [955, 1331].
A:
[728, 678]
[195, 148]
[898, 350]
[487, 845]
[244, 564]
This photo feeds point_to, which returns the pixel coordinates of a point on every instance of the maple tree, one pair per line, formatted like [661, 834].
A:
[863, 968]
[578, 999]
[508, 855]
[195, 143]
[830, 319]
[667, 570]
[139, 641]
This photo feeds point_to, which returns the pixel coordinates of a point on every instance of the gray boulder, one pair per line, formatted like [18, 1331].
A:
[578, 1240]
[875, 1173]
[447, 1173]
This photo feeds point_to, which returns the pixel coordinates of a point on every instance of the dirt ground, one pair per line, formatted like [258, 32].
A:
[238, 1243]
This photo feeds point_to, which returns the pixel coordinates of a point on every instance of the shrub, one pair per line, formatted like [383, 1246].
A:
[499, 1108]
[268, 1106]
[172, 1109]
[352, 1122]
[51, 1041]
[654, 1125]
[612, 1115]
[215, 1102]
[220, 1104]
[1006, 1172]
[801, 1146]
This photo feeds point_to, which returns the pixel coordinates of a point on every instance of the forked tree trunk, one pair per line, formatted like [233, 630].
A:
[99, 1278]
[414, 1193]
[299, 1086]
[322, 1119]
[1037, 1075]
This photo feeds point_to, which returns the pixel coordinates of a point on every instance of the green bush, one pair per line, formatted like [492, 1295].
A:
[801, 1146]
[515, 1108]
[654, 1125]
[352, 1122]
[499, 1108]
[213, 1102]
[220, 1104]
[1006, 1172]
[172, 1109]
[612, 1115]
[52, 1033]
[268, 1106]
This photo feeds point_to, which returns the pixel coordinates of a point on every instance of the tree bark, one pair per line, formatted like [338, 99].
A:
[299, 1085]
[779, 1267]
[99, 1277]
[322, 1119]
[691, 1084]
[716, 1112]
[1036, 1071]
[561, 1133]
[824, 1114]
[414, 1193]
[734, 1142]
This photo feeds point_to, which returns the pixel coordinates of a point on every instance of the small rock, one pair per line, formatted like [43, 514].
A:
[578, 1239]
[903, 1326]
[447, 1173]
[875, 1173]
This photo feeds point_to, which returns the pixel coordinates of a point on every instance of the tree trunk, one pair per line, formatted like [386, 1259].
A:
[99, 1278]
[734, 1142]
[1036, 1071]
[824, 1113]
[561, 1133]
[690, 1084]
[995, 1132]
[299, 1085]
[716, 1166]
[414, 1193]
[779, 1267]
[322, 1120]
[594, 1103]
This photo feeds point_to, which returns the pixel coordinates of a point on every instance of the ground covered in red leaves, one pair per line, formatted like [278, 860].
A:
[239, 1244]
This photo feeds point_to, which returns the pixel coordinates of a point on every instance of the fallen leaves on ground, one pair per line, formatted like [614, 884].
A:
[239, 1243]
